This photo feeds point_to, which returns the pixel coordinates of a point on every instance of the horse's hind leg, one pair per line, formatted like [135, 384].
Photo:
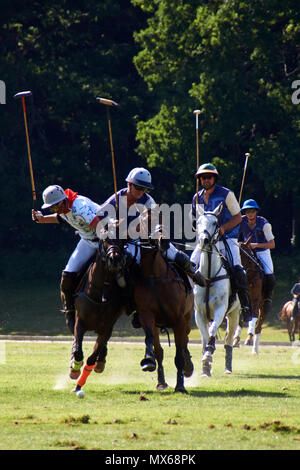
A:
[207, 357]
[232, 322]
[101, 359]
[180, 341]
[179, 363]
[159, 356]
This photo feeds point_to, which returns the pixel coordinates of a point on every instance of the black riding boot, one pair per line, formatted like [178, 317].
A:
[67, 288]
[242, 290]
[268, 287]
[295, 306]
[189, 268]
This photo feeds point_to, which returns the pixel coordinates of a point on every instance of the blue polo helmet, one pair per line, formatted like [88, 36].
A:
[250, 204]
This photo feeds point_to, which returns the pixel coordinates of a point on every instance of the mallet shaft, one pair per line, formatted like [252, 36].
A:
[107, 102]
[247, 155]
[23, 95]
[197, 112]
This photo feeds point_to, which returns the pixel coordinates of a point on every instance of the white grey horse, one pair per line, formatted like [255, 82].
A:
[213, 302]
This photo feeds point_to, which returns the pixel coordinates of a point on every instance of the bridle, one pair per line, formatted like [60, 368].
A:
[210, 242]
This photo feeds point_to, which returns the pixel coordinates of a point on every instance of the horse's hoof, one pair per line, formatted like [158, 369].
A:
[207, 357]
[74, 374]
[228, 371]
[236, 342]
[148, 365]
[188, 368]
[249, 340]
[99, 367]
[161, 387]
[181, 389]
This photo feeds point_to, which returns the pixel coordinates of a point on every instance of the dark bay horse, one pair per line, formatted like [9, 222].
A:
[91, 314]
[163, 301]
[292, 322]
[255, 276]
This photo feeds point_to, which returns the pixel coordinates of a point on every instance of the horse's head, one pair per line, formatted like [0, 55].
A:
[249, 259]
[207, 225]
[112, 249]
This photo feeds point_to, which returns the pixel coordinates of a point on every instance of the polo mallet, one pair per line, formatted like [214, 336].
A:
[23, 95]
[197, 112]
[109, 103]
[247, 155]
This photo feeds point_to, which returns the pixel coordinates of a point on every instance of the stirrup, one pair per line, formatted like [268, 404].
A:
[66, 310]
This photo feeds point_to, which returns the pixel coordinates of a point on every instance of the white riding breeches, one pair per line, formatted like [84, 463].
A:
[84, 250]
[266, 261]
[233, 246]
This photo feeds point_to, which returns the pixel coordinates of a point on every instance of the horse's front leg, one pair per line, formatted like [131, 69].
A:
[90, 364]
[159, 356]
[210, 346]
[77, 352]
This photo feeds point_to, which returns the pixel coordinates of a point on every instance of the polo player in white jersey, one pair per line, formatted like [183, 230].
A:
[81, 213]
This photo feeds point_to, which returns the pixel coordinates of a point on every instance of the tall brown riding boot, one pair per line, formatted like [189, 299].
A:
[67, 288]
[189, 268]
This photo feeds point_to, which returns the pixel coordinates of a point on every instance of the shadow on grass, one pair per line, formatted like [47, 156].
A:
[195, 392]
[264, 376]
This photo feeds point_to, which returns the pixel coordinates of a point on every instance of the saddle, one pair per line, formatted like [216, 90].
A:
[233, 283]
[182, 276]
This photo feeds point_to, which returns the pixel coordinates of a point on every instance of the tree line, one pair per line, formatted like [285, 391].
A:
[160, 60]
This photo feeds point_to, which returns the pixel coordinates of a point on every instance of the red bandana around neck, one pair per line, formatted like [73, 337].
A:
[71, 195]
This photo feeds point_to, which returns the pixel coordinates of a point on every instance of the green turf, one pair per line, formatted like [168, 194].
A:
[257, 407]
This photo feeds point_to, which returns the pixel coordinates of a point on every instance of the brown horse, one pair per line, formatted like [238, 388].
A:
[163, 301]
[292, 322]
[91, 314]
[255, 276]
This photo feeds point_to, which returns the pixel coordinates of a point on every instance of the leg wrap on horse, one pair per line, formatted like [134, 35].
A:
[228, 357]
[189, 268]
[240, 279]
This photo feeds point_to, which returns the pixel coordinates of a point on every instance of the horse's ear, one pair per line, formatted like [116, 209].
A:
[199, 209]
[218, 209]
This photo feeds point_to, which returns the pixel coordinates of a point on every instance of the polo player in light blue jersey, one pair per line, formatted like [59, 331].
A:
[210, 196]
[262, 241]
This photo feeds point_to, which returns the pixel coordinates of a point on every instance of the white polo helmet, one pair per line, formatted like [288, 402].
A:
[53, 195]
[140, 177]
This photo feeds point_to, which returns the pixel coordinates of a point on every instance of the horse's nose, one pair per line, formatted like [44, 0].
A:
[204, 240]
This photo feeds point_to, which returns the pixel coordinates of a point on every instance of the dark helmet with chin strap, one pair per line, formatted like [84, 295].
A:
[207, 168]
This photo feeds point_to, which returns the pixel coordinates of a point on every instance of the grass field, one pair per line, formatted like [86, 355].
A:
[257, 407]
